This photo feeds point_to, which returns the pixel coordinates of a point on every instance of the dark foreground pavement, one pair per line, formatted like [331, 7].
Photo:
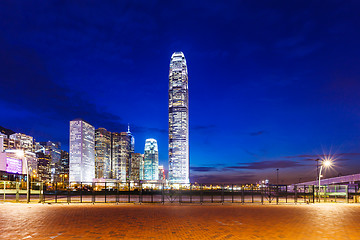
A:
[108, 221]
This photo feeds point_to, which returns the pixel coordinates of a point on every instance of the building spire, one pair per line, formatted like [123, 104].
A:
[128, 128]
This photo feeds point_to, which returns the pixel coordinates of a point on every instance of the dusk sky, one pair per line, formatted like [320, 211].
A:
[272, 84]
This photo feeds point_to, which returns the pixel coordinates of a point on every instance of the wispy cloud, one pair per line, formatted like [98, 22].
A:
[313, 157]
[204, 169]
[267, 165]
[224, 178]
[24, 72]
[203, 127]
[257, 133]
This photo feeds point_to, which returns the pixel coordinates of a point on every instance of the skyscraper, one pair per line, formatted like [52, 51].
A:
[178, 120]
[121, 147]
[53, 150]
[161, 172]
[26, 141]
[136, 162]
[151, 160]
[64, 165]
[132, 140]
[82, 151]
[102, 153]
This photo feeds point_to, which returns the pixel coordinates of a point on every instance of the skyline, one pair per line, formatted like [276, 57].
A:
[272, 85]
[178, 119]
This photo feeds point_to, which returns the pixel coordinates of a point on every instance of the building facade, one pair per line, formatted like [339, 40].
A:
[7, 143]
[64, 166]
[136, 162]
[151, 160]
[26, 141]
[82, 152]
[162, 173]
[51, 148]
[132, 140]
[43, 166]
[178, 120]
[121, 149]
[102, 153]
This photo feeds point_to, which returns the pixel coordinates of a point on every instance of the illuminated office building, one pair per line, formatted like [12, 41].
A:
[161, 172]
[136, 162]
[26, 141]
[102, 153]
[178, 120]
[121, 149]
[11, 143]
[82, 151]
[141, 169]
[2, 138]
[18, 161]
[50, 148]
[43, 167]
[151, 160]
[64, 165]
[132, 140]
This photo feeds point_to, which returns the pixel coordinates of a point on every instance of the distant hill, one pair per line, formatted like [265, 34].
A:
[6, 131]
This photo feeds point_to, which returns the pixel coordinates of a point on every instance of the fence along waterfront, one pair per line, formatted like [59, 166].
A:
[139, 192]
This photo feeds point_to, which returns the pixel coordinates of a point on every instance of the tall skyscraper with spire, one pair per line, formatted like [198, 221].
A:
[178, 120]
[132, 140]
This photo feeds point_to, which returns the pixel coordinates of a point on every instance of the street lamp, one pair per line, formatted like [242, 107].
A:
[21, 154]
[325, 163]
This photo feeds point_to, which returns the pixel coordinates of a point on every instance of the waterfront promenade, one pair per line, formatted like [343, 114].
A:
[149, 221]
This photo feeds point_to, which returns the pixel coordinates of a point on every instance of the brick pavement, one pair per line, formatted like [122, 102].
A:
[130, 221]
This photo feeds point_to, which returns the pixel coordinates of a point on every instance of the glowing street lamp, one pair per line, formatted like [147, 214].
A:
[21, 154]
[325, 163]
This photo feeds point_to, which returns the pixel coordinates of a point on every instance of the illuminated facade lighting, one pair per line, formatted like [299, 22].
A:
[178, 120]
[102, 153]
[161, 172]
[151, 160]
[136, 162]
[132, 140]
[26, 141]
[82, 152]
[121, 149]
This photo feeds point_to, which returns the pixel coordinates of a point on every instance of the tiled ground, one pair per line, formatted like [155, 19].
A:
[129, 221]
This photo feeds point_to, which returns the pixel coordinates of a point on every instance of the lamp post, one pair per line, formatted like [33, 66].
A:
[325, 163]
[21, 154]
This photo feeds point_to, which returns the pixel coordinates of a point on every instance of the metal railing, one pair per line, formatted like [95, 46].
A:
[139, 192]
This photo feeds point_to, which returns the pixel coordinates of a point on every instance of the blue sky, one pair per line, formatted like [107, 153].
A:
[272, 84]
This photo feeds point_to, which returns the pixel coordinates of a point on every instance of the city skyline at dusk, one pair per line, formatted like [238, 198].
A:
[271, 86]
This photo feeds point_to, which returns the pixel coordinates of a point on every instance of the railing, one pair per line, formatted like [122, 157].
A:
[14, 191]
[139, 192]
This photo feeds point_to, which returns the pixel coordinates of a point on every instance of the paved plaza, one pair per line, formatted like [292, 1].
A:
[132, 221]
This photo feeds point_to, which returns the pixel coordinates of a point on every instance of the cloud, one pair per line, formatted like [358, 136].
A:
[222, 178]
[267, 165]
[203, 127]
[250, 153]
[150, 129]
[313, 157]
[257, 133]
[24, 74]
[204, 169]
